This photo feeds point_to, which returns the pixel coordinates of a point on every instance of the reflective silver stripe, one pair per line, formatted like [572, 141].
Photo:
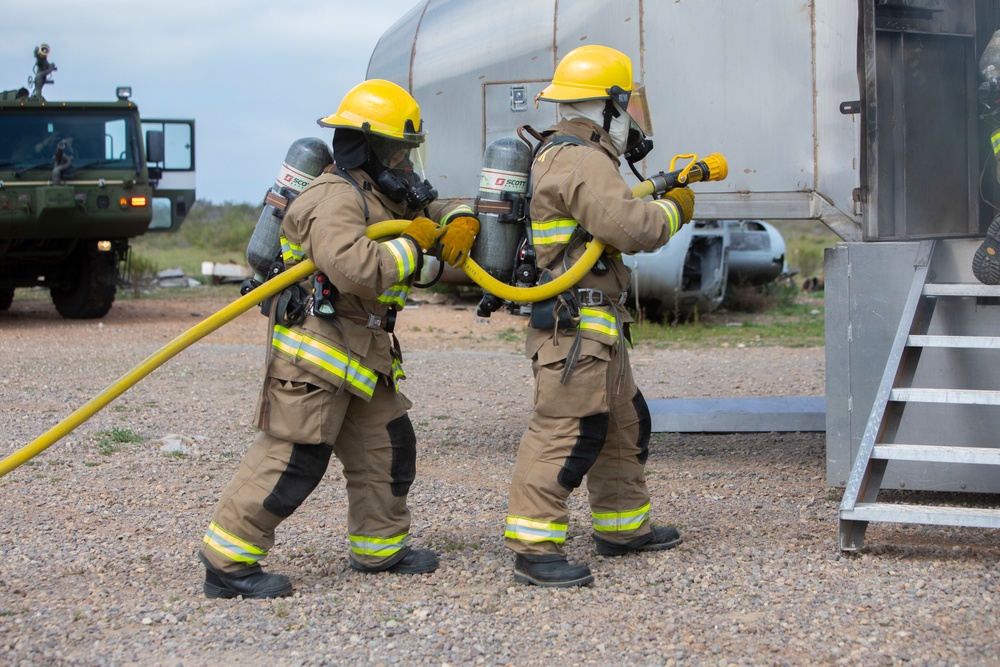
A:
[460, 211]
[402, 251]
[230, 546]
[397, 372]
[328, 358]
[529, 530]
[291, 252]
[552, 232]
[382, 547]
[592, 319]
[672, 212]
[395, 295]
[613, 522]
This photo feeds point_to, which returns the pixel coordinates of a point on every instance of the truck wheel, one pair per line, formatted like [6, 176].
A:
[92, 292]
[6, 297]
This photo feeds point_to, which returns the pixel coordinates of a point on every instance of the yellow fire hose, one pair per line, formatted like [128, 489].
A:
[715, 170]
[171, 349]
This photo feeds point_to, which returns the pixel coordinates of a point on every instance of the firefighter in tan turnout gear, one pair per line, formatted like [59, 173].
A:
[331, 386]
[589, 418]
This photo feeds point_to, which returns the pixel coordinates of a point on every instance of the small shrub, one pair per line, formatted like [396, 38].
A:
[141, 273]
[747, 299]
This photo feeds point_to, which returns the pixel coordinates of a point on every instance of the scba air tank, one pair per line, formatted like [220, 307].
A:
[499, 206]
[305, 160]
[989, 62]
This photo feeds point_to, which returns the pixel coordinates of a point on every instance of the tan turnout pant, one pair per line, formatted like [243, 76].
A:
[375, 443]
[580, 429]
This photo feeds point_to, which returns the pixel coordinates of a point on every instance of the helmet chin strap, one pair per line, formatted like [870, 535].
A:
[610, 113]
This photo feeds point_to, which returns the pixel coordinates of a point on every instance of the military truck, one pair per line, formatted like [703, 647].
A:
[78, 180]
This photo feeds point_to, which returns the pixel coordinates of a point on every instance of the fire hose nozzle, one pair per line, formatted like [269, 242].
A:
[711, 168]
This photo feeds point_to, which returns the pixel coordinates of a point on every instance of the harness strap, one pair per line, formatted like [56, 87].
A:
[350, 179]
[385, 322]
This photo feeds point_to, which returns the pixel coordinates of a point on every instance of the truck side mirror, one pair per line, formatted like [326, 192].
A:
[154, 146]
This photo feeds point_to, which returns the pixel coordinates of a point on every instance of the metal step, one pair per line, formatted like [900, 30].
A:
[859, 505]
[961, 289]
[984, 342]
[936, 454]
[973, 517]
[950, 396]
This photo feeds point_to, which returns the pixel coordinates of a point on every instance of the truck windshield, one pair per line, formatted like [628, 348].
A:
[29, 139]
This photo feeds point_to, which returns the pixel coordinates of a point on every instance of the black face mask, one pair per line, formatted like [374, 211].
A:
[402, 184]
[638, 146]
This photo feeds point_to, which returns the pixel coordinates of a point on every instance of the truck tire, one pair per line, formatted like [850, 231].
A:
[92, 291]
[6, 298]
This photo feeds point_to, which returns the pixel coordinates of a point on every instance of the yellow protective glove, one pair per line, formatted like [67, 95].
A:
[424, 232]
[684, 198]
[456, 242]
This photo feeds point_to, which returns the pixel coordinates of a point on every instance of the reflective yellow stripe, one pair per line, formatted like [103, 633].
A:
[291, 252]
[996, 142]
[395, 295]
[673, 214]
[552, 232]
[397, 372]
[402, 251]
[461, 210]
[330, 359]
[529, 530]
[612, 522]
[231, 546]
[592, 319]
[382, 547]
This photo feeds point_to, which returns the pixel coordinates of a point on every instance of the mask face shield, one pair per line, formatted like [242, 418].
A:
[406, 158]
[638, 110]
[632, 107]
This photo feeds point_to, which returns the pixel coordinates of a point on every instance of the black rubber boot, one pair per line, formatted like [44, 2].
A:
[986, 261]
[658, 539]
[251, 582]
[550, 570]
[416, 561]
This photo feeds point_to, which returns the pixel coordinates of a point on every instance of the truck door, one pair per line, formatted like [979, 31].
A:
[170, 160]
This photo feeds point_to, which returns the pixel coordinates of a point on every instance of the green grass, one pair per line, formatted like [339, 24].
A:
[211, 232]
[799, 323]
[109, 442]
[805, 241]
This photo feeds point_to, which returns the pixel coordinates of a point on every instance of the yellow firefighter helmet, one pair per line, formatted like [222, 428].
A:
[382, 108]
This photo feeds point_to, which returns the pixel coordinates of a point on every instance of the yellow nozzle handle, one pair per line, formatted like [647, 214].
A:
[712, 168]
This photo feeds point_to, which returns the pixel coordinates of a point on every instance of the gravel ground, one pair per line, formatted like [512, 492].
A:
[97, 561]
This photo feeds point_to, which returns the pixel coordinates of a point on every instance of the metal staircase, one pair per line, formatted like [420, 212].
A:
[859, 505]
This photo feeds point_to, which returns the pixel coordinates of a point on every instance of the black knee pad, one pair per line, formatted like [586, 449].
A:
[590, 442]
[306, 468]
[404, 455]
[645, 425]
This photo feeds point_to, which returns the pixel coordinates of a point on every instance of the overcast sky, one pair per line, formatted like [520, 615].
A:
[254, 75]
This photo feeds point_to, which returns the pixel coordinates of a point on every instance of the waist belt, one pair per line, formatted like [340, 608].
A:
[385, 322]
[596, 297]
